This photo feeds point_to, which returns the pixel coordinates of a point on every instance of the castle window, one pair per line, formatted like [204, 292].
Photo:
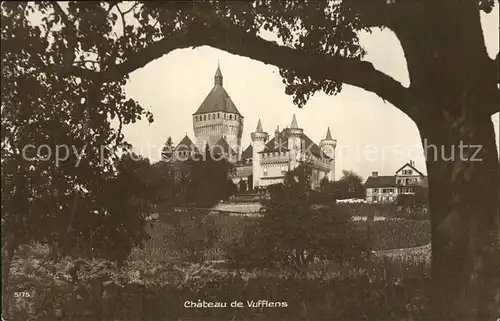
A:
[218, 115]
[204, 117]
[230, 117]
[265, 171]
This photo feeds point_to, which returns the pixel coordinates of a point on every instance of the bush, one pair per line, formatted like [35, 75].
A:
[142, 291]
[192, 235]
[280, 240]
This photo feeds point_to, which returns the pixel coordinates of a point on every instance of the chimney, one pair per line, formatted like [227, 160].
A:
[374, 174]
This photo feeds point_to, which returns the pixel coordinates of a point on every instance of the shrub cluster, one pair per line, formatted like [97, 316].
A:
[146, 291]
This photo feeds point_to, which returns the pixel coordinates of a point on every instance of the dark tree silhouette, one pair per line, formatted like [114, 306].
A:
[294, 232]
[167, 151]
[350, 185]
[209, 180]
[452, 95]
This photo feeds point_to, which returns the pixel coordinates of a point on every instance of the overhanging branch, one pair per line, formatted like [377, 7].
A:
[317, 66]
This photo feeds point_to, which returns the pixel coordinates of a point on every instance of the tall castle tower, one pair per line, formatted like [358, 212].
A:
[218, 119]
[295, 143]
[259, 140]
[328, 146]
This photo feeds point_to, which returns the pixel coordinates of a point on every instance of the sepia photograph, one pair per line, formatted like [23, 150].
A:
[214, 160]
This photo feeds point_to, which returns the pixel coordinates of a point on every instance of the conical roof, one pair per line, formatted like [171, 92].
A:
[294, 122]
[218, 99]
[218, 73]
[328, 134]
[259, 127]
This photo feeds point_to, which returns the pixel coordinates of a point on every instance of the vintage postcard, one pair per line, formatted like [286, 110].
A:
[250, 160]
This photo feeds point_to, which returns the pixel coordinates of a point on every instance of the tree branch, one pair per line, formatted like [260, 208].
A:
[69, 56]
[319, 67]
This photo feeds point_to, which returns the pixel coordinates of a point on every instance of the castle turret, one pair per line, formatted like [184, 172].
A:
[295, 143]
[328, 146]
[259, 139]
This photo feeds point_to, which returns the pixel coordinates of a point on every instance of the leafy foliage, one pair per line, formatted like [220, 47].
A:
[152, 291]
[209, 181]
[59, 145]
[419, 198]
[193, 235]
[293, 233]
[349, 186]
[167, 151]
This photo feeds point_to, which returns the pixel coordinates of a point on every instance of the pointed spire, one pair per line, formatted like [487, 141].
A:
[328, 134]
[259, 127]
[218, 76]
[294, 122]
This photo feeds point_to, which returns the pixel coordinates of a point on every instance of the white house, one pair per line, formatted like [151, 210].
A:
[385, 189]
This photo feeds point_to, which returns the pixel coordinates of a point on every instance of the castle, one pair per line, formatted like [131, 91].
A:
[218, 125]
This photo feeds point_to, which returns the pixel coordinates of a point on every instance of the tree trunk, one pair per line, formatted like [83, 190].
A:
[462, 163]
[8, 252]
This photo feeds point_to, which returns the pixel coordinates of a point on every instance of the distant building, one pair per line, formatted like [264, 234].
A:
[265, 162]
[385, 189]
[218, 126]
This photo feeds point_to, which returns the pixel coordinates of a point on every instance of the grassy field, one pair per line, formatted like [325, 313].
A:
[388, 234]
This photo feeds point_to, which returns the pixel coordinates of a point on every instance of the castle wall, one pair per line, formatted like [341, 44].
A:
[210, 127]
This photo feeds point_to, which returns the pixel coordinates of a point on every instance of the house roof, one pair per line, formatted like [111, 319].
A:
[413, 167]
[218, 99]
[184, 144]
[283, 138]
[380, 181]
[248, 152]
[224, 146]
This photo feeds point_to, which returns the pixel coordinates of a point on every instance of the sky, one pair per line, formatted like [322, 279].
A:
[372, 135]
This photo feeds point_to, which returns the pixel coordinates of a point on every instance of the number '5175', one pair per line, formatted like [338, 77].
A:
[23, 294]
